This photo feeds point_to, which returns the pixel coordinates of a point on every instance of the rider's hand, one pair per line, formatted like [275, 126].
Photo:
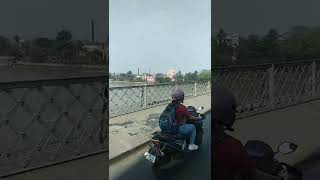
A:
[198, 118]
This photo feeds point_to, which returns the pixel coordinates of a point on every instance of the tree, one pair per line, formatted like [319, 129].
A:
[195, 76]
[64, 36]
[179, 77]
[129, 73]
[221, 36]
[204, 75]
[5, 46]
[163, 80]
[17, 38]
[188, 77]
[43, 42]
[270, 43]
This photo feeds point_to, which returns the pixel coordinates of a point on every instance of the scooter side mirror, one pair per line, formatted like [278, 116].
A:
[287, 147]
[200, 108]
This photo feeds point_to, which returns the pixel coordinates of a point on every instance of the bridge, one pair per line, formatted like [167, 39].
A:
[67, 129]
[278, 102]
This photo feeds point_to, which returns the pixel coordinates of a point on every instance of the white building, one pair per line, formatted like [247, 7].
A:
[231, 40]
[172, 74]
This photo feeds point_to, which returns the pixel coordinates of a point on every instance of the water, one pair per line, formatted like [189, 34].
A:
[25, 73]
[124, 84]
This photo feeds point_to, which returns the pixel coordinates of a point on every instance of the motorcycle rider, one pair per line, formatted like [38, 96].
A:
[230, 157]
[231, 160]
[182, 117]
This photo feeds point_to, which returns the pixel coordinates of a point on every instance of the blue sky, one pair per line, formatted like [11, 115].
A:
[160, 35]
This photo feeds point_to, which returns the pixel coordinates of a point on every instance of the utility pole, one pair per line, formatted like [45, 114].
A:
[92, 31]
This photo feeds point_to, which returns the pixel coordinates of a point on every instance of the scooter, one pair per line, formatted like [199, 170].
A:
[166, 148]
[267, 161]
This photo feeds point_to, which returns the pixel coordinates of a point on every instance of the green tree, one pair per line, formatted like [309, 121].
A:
[64, 36]
[188, 77]
[179, 77]
[269, 43]
[160, 78]
[129, 73]
[195, 76]
[221, 36]
[6, 48]
[42, 42]
[17, 38]
[204, 75]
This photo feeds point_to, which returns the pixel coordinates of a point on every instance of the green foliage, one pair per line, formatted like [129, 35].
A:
[64, 36]
[204, 75]
[299, 43]
[179, 77]
[6, 48]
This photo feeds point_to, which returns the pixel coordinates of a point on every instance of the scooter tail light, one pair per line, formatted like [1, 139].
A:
[157, 143]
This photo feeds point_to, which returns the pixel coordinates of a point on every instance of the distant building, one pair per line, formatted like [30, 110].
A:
[94, 46]
[230, 40]
[151, 79]
[172, 74]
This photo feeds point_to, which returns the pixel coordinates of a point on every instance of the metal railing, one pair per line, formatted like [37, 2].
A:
[50, 121]
[124, 100]
[270, 86]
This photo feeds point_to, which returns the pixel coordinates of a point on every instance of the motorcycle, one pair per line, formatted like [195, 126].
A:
[166, 148]
[267, 161]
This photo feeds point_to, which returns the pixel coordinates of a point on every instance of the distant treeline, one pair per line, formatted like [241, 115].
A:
[204, 75]
[61, 49]
[300, 43]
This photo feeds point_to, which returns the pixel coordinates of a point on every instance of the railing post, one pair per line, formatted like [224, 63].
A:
[195, 88]
[271, 85]
[145, 95]
[313, 78]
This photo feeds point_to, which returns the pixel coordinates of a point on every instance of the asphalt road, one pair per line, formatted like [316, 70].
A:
[197, 165]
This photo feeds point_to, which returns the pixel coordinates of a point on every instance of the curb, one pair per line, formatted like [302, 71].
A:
[134, 149]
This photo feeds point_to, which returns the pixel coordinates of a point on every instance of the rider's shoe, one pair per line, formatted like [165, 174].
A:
[192, 147]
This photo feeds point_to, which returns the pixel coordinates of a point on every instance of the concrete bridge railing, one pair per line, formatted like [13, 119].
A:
[124, 100]
[270, 86]
[45, 122]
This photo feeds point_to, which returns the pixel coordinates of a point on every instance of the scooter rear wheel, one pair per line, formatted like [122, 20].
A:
[160, 161]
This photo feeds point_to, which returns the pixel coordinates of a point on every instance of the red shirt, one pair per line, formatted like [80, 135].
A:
[181, 113]
[230, 159]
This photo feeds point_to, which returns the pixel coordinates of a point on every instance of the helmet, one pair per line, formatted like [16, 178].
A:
[224, 107]
[178, 95]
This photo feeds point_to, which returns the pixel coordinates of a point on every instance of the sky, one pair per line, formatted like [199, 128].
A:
[35, 18]
[160, 35]
[258, 16]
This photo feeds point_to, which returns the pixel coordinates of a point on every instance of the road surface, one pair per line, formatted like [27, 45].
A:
[197, 166]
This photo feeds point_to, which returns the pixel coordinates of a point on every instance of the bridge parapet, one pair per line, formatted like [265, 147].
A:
[270, 86]
[45, 122]
[124, 100]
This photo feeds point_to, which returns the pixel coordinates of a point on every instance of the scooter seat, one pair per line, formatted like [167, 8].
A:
[179, 137]
[168, 137]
